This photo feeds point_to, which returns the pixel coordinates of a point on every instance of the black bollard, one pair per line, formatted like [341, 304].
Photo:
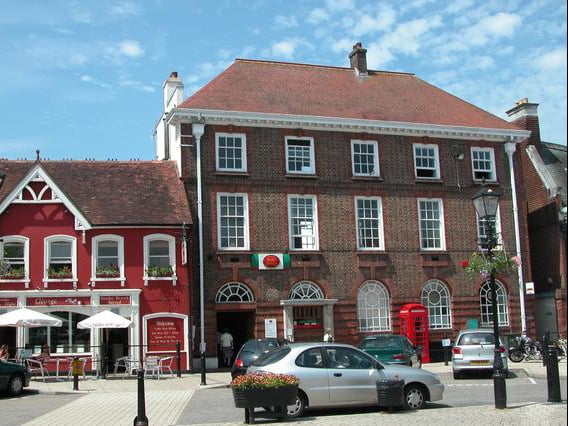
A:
[178, 358]
[141, 419]
[552, 375]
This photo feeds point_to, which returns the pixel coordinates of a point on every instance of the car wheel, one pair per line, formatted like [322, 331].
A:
[15, 385]
[414, 397]
[297, 409]
[457, 375]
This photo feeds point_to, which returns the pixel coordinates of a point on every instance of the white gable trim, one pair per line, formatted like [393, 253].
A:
[38, 173]
[543, 173]
[339, 124]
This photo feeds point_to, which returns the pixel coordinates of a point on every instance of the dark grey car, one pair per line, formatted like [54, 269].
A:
[250, 351]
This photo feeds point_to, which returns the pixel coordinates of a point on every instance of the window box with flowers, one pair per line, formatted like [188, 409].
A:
[110, 271]
[13, 273]
[264, 390]
[59, 273]
[159, 271]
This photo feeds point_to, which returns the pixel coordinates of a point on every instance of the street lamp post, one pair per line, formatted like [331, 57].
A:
[486, 202]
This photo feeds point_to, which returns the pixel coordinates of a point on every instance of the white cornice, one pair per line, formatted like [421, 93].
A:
[255, 119]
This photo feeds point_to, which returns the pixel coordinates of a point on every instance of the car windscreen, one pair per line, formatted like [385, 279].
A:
[272, 356]
[476, 339]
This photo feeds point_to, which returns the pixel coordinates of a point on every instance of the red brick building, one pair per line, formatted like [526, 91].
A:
[80, 237]
[542, 177]
[331, 197]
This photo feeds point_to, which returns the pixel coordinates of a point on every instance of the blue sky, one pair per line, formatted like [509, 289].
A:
[83, 79]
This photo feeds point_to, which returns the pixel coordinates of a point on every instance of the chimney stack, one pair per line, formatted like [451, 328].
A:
[173, 91]
[524, 114]
[358, 59]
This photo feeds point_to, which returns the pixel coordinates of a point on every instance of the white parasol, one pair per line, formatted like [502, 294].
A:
[25, 317]
[104, 319]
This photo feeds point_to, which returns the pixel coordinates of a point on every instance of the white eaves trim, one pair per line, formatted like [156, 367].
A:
[256, 119]
[544, 174]
[38, 172]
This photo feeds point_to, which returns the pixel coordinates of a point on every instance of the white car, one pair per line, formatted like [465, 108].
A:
[339, 375]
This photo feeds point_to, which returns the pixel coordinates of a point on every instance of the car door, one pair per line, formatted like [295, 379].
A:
[352, 376]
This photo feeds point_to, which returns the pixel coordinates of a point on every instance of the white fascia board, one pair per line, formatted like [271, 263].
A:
[340, 124]
[542, 171]
[40, 171]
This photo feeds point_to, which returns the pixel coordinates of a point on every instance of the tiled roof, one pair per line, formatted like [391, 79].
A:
[323, 91]
[113, 192]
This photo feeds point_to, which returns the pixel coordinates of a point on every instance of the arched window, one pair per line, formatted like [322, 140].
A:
[234, 292]
[306, 290]
[436, 297]
[485, 298]
[373, 307]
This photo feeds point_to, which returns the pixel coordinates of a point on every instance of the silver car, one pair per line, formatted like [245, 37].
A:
[474, 351]
[339, 375]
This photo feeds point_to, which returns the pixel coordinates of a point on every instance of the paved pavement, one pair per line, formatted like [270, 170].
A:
[103, 402]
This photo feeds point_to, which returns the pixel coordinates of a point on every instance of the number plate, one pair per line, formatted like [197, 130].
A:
[479, 363]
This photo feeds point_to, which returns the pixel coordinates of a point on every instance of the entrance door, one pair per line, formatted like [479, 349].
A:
[241, 327]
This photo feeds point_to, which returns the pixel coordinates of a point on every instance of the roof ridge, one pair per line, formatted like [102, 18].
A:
[307, 65]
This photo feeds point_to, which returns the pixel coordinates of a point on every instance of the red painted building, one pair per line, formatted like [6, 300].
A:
[80, 237]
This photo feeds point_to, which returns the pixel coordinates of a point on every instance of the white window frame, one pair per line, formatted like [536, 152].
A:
[171, 254]
[47, 259]
[95, 256]
[441, 229]
[435, 158]
[377, 228]
[492, 172]
[440, 307]
[372, 165]
[25, 261]
[496, 231]
[314, 220]
[487, 307]
[311, 169]
[373, 317]
[244, 217]
[243, 152]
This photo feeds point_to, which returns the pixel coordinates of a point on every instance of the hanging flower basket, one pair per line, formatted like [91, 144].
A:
[497, 262]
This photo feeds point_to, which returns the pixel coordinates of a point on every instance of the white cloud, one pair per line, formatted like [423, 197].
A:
[382, 21]
[130, 48]
[554, 60]
[286, 21]
[340, 4]
[407, 36]
[492, 27]
[284, 48]
[317, 16]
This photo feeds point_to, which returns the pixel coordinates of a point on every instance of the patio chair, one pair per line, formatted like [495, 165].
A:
[126, 363]
[35, 366]
[166, 364]
[152, 367]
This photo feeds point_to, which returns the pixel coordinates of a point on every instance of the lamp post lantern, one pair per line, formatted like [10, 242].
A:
[486, 203]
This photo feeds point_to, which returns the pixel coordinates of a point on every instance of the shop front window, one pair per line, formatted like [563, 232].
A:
[65, 339]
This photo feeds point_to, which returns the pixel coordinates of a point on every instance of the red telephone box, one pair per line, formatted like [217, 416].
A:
[414, 325]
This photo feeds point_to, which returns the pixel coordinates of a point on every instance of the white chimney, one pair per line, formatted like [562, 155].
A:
[173, 92]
